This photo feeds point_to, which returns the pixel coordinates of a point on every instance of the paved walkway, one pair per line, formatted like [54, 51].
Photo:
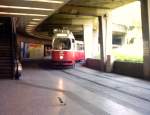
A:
[79, 91]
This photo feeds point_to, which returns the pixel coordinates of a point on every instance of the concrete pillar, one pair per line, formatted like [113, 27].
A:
[96, 46]
[105, 39]
[88, 36]
[145, 12]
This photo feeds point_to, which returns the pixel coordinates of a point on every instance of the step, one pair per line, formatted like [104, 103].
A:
[6, 76]
[5, 61]
[5, 57]
[5, 46]
[4, 54]
[6, 68]
[5, 71]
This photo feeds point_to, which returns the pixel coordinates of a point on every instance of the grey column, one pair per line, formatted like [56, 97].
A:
[145, 12]
[102, 42]
[105, 39]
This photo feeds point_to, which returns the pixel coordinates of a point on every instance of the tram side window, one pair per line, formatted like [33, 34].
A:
[73, 40]
[80, 47]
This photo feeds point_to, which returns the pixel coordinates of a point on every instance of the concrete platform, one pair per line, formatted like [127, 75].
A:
[79, 91]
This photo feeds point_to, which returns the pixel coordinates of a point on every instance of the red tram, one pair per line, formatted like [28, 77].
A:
[65, 49]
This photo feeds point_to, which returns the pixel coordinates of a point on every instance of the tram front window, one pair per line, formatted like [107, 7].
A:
[62, 44]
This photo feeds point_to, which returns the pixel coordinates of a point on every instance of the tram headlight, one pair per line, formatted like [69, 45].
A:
[61, 57]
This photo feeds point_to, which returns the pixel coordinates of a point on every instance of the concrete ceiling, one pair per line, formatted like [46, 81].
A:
[29, 13]
[78, 12]
[102, 4]
[70, 13]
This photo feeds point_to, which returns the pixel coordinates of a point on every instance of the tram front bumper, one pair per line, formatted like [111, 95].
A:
[63, 62]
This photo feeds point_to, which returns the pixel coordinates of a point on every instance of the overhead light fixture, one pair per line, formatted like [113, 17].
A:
[31, 25]
[29, 28]
[25, 8]
[22, 14]
[33, 22]
[47, 1]
[36, 19]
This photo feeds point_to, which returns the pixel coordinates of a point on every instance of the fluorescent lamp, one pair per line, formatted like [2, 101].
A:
[33, 22]
[26, 8]
[29, 31]
[31, 25]
[47, 1]
[29, 28]
[22, 14]
[37, 19]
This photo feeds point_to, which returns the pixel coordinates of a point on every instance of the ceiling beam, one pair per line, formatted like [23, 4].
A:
[53, 26]
[85, 11]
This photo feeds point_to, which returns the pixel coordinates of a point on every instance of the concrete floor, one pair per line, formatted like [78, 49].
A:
[79, 91]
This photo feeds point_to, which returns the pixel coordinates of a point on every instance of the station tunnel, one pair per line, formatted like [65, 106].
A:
[26, 49]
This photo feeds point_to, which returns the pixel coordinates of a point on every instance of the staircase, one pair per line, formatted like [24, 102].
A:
[6, 49]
